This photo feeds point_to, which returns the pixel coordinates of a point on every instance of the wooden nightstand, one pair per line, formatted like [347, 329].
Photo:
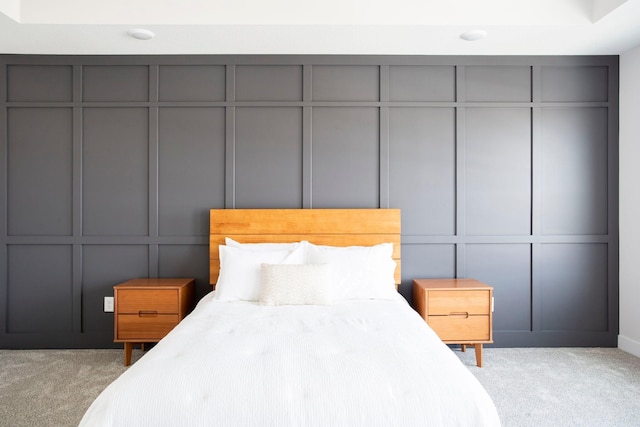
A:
[460, 311]
[147, 309]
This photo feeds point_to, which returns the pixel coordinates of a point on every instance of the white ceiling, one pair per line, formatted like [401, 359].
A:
[407, 27]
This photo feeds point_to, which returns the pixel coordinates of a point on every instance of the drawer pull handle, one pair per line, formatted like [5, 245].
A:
[142, 313]
[460, 314]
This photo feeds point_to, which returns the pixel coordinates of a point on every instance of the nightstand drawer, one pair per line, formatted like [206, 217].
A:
[461, 327]
[132, 301]
[146, 326]
[459, 302]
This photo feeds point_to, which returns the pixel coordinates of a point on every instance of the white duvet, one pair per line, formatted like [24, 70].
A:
[358, 363]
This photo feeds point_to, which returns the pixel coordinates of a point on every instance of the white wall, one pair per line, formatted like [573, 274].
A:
[629, 338]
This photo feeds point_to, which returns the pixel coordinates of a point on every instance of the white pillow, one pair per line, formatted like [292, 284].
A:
[357, 272]
[288, 284]
[261, 246]
[239, 277]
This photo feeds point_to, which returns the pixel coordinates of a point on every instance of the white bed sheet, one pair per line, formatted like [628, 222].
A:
[358, 363]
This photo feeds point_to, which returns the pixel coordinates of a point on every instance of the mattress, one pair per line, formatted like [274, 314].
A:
[353, 363]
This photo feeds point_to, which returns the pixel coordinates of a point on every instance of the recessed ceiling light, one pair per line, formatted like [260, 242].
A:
[473, 35]
[141, 34]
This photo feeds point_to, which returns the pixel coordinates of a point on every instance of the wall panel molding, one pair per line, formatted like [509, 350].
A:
[467, 147]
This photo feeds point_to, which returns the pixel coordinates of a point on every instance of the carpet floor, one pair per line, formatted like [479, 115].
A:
[530, 386]
[597, 387]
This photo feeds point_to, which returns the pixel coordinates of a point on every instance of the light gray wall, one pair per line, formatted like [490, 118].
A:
[629, 339]
[505, 169]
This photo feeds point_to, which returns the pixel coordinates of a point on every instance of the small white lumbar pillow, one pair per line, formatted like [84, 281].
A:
[291, 284]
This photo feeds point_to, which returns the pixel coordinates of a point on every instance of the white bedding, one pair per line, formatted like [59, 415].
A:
[357, 363]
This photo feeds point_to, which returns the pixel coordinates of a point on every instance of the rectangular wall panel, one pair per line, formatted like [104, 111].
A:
[39, 292]
[498, 83]
[103, 267]
[346, 157]
[575, 84]
[191, 169]
[268, 83]
[574, 165]
[507, 268]
[422, 169]
[46, 83]
[123, 83]
[346, 83]
[268, 157]
[192, 83]
[498, 171]
[422, 83]
[115, 171]
[574, 289]
[40, 174]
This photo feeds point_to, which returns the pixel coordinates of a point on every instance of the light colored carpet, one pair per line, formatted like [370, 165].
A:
[530, 386]
[54, 387]
[597, 387]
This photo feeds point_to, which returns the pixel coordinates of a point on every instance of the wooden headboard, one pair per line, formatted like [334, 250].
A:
[334, 227]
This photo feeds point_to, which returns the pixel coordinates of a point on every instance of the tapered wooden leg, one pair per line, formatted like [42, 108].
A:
[478, 354]
[128, 346]
[463, 347]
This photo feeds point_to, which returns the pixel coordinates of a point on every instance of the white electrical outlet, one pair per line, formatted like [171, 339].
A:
[108, 304]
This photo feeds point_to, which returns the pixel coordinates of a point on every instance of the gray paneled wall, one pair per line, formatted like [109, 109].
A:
[505, 169]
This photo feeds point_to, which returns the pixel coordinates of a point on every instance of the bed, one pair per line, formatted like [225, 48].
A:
[304, 328]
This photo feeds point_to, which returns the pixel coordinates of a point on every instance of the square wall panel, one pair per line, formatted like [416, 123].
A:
[575, 84]
[191, 170]
[497, 171]
[422, 83]
[574, 159]
[346, 83]
[115, 83]
[103, 267]
[186, 261]
[426, 261]
[498, 83]
[39, 292]
[574, 287]
[346, 157]
[506, 267]
[422, 169]
[268, 157]
[115, 196]
[268, 83]
[40, 157]
[47, 83]
[192, 83]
